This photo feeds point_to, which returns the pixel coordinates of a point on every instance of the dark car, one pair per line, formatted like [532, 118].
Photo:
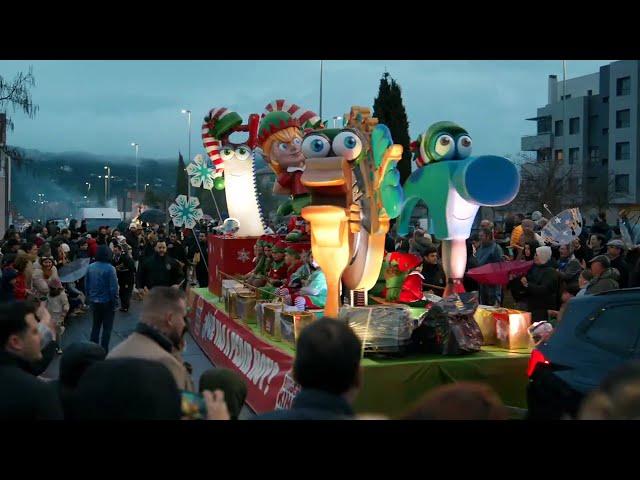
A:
[596, 334]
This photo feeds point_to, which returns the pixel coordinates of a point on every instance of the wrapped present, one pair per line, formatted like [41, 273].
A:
[287, 332]
[291, 324]
[486, 321]
[230, 301]
[302, 319]
[271, 320]
[230, 285]
[384, 329]
[246, 306]
[512, 328]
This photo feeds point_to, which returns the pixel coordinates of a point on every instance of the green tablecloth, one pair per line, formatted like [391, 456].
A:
[392, 385]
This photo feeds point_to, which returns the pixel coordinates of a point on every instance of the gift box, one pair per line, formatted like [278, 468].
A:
[302, 319]
[229, 285]
[270, 325]
[231, 256]
[287, 331]
[246, 306]
[230, 301]
[512, 329]
[484, 317]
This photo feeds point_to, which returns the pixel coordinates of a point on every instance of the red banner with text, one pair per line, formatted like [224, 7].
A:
[228, 344]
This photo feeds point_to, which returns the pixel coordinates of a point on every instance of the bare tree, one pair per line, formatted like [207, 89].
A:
[600, 195]
[16, 94]
[545, 181]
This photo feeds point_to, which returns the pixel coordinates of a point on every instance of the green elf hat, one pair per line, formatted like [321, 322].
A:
[266, 241]
[221, 122]
[291, 250]
[281, 115]
[279, 247]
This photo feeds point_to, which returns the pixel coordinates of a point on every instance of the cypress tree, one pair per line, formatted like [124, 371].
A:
[182, 179]
[390, 111]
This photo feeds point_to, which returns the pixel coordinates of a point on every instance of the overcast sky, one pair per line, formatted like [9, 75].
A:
[102, 106]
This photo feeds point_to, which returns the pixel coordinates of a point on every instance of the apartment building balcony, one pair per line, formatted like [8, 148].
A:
[532, 143]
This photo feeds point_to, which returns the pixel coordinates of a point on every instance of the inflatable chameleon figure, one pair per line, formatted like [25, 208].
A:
[236, 162]
[454, 185]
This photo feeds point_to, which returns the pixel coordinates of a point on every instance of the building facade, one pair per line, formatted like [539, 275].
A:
[590, 125]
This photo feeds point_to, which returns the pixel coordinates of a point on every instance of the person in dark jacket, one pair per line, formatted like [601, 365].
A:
[569, 269]
[542, 287]
[159, 269]
[23, 397]
[126, 272]
[604, 278]
[615, 251]
[600, 226]
[327, 367]
[432, 271]
[202, 274]
[133, 241]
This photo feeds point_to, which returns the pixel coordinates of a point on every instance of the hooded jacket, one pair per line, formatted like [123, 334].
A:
[101, 282]
[602, 283]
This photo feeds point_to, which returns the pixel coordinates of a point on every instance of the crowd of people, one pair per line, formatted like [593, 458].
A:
[120, 265]
[597, 260]
[146, 377]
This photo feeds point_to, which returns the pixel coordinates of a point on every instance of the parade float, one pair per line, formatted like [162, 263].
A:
[344, 189]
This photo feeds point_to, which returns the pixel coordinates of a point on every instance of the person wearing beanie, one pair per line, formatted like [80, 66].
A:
[604, 278]
[232, 384]
[541, 286]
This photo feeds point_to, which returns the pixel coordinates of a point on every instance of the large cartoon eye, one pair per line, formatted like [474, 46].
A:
[315, 146]
[464, 146]
[348, 145]
[283, 147]
[227, 153]
[243, 153]
[423, 157]
[445, 147]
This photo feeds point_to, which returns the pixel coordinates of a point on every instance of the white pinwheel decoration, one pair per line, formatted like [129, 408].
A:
[185, 212]
[201, 174]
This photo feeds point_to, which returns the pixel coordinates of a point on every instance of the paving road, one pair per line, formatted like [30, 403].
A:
[79, 329]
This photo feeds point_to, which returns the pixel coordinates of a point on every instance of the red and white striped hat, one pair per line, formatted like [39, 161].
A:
[212, 144]
[307, 118]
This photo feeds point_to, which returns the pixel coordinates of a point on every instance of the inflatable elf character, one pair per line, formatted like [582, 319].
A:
[403, 280]
[280, 137]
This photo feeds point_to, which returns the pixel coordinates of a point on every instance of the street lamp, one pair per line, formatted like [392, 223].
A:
[188, 112]
[336, 119]
[107, 180]
[146, 185]
[136, 146]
